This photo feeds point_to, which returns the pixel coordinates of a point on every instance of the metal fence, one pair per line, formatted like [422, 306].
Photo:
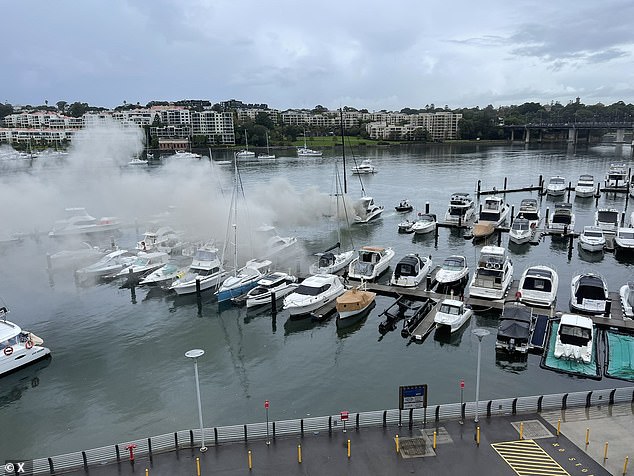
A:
[258, 431]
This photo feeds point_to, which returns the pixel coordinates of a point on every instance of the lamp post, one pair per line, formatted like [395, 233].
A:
[480, 334]
[194, 354]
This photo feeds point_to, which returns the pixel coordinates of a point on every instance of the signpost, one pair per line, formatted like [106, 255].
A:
[344, 418]
[461, 400]
[411, 397]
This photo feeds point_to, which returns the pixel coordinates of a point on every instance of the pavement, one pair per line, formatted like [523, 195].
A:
[373, 449]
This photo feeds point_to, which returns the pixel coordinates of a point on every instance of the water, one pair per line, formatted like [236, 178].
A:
[118, 370]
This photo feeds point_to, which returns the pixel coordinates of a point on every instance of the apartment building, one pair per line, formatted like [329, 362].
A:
[217, 126]
[440, 125]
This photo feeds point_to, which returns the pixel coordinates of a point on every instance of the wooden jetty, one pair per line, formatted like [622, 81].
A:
[495, 191]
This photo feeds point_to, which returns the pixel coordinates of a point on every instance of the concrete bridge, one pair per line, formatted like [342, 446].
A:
[576, 130]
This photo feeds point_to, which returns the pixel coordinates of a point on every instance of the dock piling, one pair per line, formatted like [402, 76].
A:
[197, 287]
[627, 458]
[197, 466]
[273, 306]
[426, 207]
[512, 214]
[505, 181]
[569, 189]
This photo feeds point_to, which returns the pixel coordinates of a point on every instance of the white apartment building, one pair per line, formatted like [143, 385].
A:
[440, 125]
[245, 114]
[217, 126]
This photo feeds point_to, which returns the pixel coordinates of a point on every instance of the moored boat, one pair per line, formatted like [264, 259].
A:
[461, 209]
[108, 264]
[520, 231]
[452, 315]
[353, 304]
[617, 178]
[453, 274]
[588, 294]
[280, 284]
[245, 279]
[585, 186]
[514, 329]
[574, 339]
[562, 220]
[607, 219]
[164, 276]
[17, 347]
[411, 270]
[493, 275]
[78, 222]
[370, 263]
[426, 223]
[627, 299]
[205, 272]
[556, 186]
[538, 286]
[592, 239]
[313, 293]
[624, 239]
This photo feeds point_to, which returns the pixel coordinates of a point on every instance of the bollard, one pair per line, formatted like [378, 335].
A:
[627, 458]
[147, 472]
[512, 214]
[587, 436]
[396, 441]
[558, 426]
[478, 187]
[605, 452]
[504, 184]
[434, 440]
[478, 436]
[521, 430]
[197, 466]
[250, 461]
[130, 448]
[299, 454]
[426, 207]
[348, 449]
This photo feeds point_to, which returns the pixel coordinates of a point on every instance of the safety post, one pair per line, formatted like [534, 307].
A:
[130, 448]
[587, 436]
[478, 436]
[250, 461]
[396, 441]
[147, 472]
[558, 426]
[434, 440]
[299, 454]
[627, 458]
[521, 430]
[605, 452]
[348, 449]
[197, 466]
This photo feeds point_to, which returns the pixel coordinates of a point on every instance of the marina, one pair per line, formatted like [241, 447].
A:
[97, 332]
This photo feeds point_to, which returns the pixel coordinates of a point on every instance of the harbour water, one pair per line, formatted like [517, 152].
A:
[118, 370]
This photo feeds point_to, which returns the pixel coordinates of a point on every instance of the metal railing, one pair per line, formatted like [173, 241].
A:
[257, 431]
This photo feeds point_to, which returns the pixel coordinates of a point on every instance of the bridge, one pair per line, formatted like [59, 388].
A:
[576, 131]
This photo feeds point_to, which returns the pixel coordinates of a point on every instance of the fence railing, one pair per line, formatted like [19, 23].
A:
[256, 431]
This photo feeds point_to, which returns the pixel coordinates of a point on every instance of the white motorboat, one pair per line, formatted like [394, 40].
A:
[245, 154]
[632, 189]
[331, 263]
[163, 239]
[556, 186]
[452, 315]
[306, 152]
[562, 220]
[278, 283]
[268, 155]
[538, 286]
[143, 264]
[453, 274]
[370, 263]
[184, 155]
[353, 304]
[411, 270]
[244, 280]
[493, 275]
[78, 222]
[592, 239]
[607, 219]
[514, 329]
[426, 223]
[365, 167]
[368, 210]
[494, 211]
[529, 209]
[574, 338]
[521, 231]
[164, 276]
[107, 265]
[206, 269]
[461, 209]
[136, 162]
[406, 226]
[627, 299]
[624, 239]
[275, 244]
[588, 294]
[585, 186]
[313, 293]
[617, 178]
[404, 206]
[84, 253]
[17, 347]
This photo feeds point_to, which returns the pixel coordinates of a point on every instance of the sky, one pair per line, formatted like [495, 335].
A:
[292, 54]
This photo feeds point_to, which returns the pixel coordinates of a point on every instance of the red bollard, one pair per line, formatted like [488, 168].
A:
[130, 448]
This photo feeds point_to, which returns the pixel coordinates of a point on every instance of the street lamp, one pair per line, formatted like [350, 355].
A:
[480, 334]
[194, 354]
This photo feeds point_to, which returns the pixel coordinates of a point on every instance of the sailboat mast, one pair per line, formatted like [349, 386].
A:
[235, 219]
[343, 148]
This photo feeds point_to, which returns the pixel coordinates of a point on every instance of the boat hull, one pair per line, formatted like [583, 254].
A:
[21, 357]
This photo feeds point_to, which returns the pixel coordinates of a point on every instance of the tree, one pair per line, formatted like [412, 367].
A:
[61, 106]
[78, 109]
[319, 109]
[5, 110]
[263, 119]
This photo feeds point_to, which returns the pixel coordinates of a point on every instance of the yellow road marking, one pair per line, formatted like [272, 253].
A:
[526, 457]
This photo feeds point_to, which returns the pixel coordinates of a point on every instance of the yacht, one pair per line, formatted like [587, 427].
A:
[493, 275]
[136, 161]
[452, 315]
[562, 219]
[411, 270]
[19, 348]
[556, 186]
[538, 286]
[107, 265]
[588, 294]
[624, 239]
[574, 339]
[426, 223]
[268, 155]
[365, 167]
[453, 274]
[330, 263]
[370, 263]
[78, 222]
[617, 178]
[306, 152]
[607, 219]
[184, 155]
[274, 244]
[244, 279]
[369, 210]
[514, 329]
[592, 239]
[313, 293]
[627, 299]
[80, 255]
[520, 231]
[529, 209]
[461, 209]
[163, 239]
[164, 276]
[277, 283]
[143, 264]
[585, 186]
[494, 211]
[205, 269]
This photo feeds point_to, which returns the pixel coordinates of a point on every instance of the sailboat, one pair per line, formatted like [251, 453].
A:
[246, 153]
[268, 154]
[306, 152]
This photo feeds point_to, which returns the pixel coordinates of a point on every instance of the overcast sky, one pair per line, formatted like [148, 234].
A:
[291, 54]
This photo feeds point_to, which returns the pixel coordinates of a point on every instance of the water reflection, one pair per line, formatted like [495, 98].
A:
[514, 362]
[349, 326]
[16, 383]
[293, 326]
[590, 256]
[444, 337]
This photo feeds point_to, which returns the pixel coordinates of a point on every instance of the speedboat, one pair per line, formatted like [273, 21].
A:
[461, 209]
[588, 294]
[82, 254]
[520, 231]
[244, 280]
[245, 155]
[164, 276]
[411, 270]
[556, 186]
[163, 239]
[365, 167]
[404, 206]
[370, 263]
[274, 243]
[406, 226]
[19, 348]
[529, 209]
[493, 275]
[136, 161]
[453, 274]
[143, 264]
[592, 239]
[607, 219]
[627, 299]
[368, 210]
[585, 186]
[562, 219]
[330, 263]
[494, 211]
[514, 330]
[624, 239]
[426, 223]
[353, 304]
[107, 265]
[574, 338]
[78, 222]
[538, 286]
[206, 269]
[617, 178]
[184, 155]
[313, 293]
[452, 315]
[277, 283]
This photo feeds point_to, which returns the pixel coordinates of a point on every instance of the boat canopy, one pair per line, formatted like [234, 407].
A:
[408, 266]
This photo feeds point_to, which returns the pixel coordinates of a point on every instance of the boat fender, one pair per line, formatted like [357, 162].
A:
[28, 344]
[8, 351]
[496, 265]
[518, 295]
[489, 265]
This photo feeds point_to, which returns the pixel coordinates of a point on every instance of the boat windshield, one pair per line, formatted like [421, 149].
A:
[608, 216]
[489, 216]
[626, 235]
[574, 335]
[537, 284]
[591, 292]
[448, 309]
[141, 262]
[520, 225]
[557, 181]
[311, 290]
[458, 210]
[528, 215]
[593, 234]
[563, 218]
[453, 264]
[205, 255]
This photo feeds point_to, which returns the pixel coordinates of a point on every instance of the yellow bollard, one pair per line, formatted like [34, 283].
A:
[434, 440]
[605, 452]
[478, 436]
[147, 472]
[396, 440]
[299, 454]
[587, 436]
[558, 426]
[250, 461]
[521, 430]
[627, 458]
[348, 449]
[197, 466]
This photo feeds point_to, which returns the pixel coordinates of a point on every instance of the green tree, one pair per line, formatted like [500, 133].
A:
[61, 106]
